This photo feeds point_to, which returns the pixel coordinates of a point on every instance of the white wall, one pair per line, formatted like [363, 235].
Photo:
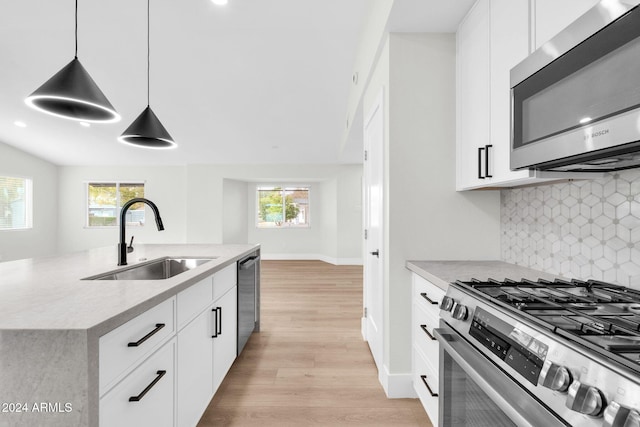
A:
[425, 218]
[235, 215]
[164, 185]
[41, 239]
[300, 243]
[214, 204]
[349, 214]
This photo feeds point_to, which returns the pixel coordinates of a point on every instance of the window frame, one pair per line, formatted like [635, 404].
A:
[117, 183]
[283, 187]
[28, 202]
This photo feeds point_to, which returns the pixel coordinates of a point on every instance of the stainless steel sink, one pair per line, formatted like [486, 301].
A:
[160, 269]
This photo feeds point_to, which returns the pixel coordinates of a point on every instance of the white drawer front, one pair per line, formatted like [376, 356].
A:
[117, 351]
[155, 408]
[193, 300]
[224, 280]
[428, 294]
[426, 385]
[423, 337]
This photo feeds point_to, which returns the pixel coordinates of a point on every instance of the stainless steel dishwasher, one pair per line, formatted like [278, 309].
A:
[248, 298]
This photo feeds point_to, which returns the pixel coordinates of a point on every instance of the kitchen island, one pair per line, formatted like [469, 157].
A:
[51, 321]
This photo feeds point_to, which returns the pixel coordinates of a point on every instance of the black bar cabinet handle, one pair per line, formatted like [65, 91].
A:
[429, 300]
[486, 161]
[215, 328]
[426, 331]
[424, 380]
[149, 387]
[480, 150]
[219, 323]
[146, 337]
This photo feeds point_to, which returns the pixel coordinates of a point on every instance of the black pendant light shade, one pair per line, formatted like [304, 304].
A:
[146, 131]
[72, 94]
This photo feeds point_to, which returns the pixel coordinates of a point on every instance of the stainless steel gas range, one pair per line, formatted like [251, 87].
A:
[539, 353]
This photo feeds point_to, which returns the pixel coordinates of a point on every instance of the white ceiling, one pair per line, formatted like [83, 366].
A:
[256, 81]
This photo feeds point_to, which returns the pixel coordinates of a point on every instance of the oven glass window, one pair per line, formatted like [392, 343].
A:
[465, 403]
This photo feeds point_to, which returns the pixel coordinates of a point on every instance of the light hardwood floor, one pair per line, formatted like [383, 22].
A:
[309, 365]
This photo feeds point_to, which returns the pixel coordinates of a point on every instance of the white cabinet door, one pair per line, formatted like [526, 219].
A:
[552, 16]
[491, 39]
[195, 368]
[145, 397]
[225, 335]
[509, 41]
[472, 102]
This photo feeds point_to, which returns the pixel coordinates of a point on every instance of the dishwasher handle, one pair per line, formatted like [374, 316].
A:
[248, 262]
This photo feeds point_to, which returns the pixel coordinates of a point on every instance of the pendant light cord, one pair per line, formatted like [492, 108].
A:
[76, 53]
[148, 53]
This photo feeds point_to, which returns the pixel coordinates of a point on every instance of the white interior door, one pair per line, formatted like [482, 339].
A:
[373, 219]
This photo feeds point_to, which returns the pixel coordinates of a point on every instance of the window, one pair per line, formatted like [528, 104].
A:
[284, 207]
[104, 200]
[16, 200]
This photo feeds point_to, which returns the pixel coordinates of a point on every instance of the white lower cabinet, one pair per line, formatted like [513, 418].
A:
[146, 396]
[225, 337]
[206, 351]
[425, 316]
[154, 373]
[195, 367]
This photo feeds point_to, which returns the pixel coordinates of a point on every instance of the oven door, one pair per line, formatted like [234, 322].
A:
[475, 392]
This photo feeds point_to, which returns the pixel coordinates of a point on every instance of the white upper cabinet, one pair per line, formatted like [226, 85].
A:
[552, 16]
[472, 96]
[494, 37]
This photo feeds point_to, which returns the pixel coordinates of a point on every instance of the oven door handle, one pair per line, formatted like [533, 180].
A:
[496, 384]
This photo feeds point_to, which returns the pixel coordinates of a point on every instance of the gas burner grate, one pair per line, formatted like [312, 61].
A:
[601, 316]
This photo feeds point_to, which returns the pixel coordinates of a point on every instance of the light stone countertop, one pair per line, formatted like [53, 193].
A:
[49, 293]
[441, 273]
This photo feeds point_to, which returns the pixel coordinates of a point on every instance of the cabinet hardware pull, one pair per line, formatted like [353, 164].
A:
[215, 328]
[486, 161]
[426, 331]
[480, 150]
[219, 324]
[429, 300]
[376, 253]
[424, 380]
[146, 337]
[149, 387]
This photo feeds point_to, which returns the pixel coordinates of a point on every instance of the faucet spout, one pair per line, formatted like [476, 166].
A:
[122, 246]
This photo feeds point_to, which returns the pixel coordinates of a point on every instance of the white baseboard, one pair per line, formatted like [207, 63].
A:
[313, 257]
[396, 386]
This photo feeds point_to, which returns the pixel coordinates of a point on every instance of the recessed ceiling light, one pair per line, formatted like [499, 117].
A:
[220, 2]
[20, 124]
[85, 124]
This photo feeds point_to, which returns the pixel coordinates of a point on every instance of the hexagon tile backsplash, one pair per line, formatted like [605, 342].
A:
[580, 229]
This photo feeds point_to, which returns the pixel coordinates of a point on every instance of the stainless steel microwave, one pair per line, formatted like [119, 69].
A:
[575, 102]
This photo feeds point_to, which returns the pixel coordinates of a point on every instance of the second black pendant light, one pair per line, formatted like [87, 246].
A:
[146, 131]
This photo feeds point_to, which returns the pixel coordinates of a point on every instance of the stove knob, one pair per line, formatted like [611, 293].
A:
[460, 312]
[585, 399]
[447, 303]
[555, 377]
[619, 416]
